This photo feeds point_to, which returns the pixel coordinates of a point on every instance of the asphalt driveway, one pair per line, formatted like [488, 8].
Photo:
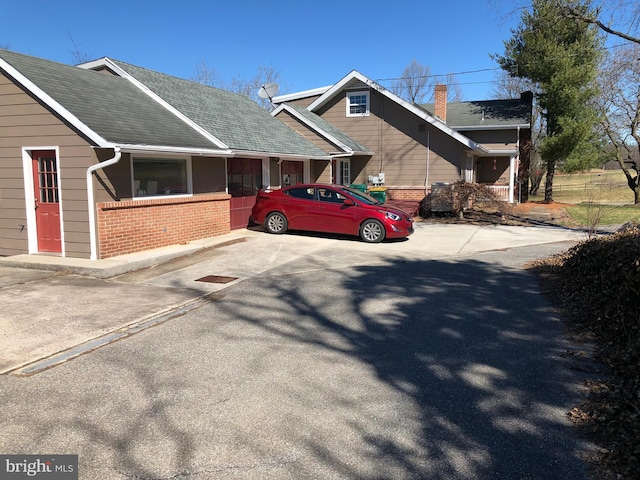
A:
[333, 359]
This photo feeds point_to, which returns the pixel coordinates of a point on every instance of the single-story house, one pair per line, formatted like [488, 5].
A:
[408, 147]
[107, 158]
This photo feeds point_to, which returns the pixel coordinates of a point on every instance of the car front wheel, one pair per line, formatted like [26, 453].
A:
[372, 231]
[276, 223]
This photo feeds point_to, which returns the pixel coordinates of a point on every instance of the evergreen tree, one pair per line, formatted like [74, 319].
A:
[561, 56]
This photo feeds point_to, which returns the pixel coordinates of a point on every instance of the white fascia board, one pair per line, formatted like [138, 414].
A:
[108, 63]
[329, 94]
[54, 105]
[498, 153]
[316, 129]
[298, 95]
[293, 156]
[160, 149]
[490, 127]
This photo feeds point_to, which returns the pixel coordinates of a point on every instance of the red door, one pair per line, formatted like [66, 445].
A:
[291, 173]
[244, 179]
[47, 200]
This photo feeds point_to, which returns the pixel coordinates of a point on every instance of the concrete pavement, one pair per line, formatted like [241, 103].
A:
[56, 308]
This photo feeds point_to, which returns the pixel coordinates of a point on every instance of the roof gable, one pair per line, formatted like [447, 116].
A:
[107, 109]
[356, 79]
[235, 120]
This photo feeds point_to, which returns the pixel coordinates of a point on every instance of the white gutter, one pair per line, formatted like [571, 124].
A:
[159, 149]
[293, 156]
[90, 199]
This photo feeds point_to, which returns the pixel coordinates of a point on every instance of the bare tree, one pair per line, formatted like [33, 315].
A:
[620, 104]
[618, 18]
[416, 84]
[77, 56]
[248, 87]
[207, 75]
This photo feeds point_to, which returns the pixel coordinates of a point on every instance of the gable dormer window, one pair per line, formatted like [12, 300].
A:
[357, 104]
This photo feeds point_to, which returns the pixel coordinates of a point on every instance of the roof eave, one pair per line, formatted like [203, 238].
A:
[298, 95]
[163, 149]
[293, 156]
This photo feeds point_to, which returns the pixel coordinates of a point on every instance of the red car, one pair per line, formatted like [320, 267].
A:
[331, 209]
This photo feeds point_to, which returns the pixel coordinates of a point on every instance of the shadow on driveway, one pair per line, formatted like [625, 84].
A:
[470, 350]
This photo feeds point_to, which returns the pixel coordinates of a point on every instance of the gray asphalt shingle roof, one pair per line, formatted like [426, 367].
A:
[111, 106]
[322, 124]
[234, 119]
[486, 113]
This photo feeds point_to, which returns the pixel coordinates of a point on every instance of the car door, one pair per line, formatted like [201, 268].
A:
[333, 215]
[299, 206]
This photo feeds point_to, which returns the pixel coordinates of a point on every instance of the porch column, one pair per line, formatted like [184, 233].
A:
[512, 177]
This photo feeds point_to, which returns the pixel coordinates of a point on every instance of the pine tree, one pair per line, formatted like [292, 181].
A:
[561, 56]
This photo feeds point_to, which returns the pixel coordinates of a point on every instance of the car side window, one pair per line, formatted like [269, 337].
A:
[328, 195]
[303, 193]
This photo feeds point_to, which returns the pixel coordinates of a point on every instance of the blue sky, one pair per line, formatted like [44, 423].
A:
[311, 43]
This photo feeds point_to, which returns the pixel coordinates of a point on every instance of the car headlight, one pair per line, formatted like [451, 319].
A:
[392, 216]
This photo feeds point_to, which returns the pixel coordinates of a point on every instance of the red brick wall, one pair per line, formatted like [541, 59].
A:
[416, 194]
[136, 225]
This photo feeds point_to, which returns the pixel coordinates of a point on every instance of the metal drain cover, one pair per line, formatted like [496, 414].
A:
[216, 279]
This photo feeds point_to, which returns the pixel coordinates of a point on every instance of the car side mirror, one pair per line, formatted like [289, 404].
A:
[348, 202]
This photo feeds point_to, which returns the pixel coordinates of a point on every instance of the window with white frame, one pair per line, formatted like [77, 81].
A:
[357, 104]
[159, 176]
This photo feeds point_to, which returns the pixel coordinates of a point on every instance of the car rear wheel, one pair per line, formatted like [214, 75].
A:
[276, 222]
[372, 231]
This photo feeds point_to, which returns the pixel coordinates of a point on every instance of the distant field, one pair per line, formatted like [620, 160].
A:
[596, 196]
[603, 214]
[608, 186]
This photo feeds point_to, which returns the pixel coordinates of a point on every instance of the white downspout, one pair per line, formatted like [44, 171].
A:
[90, 199]
[426, 180]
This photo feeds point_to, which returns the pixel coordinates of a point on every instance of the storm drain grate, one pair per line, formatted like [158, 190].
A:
[216, 279]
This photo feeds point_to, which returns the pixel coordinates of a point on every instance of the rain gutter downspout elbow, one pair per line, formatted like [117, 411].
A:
[91, 201]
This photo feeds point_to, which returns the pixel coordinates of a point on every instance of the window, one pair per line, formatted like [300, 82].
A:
[303, 193]
[159, 176]
[327, 195]
[357, 104]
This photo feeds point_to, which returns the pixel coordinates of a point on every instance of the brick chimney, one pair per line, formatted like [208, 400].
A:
[440, 95]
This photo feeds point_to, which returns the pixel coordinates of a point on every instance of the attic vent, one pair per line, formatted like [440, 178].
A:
[422, 127]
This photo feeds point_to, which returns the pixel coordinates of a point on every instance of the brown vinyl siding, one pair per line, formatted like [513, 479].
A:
[304, 102]
[26, 123]
[499, 136]
[320, 171]
[400, 148]
[303, 130]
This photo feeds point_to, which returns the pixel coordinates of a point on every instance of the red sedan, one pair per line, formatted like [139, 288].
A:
[330, 209]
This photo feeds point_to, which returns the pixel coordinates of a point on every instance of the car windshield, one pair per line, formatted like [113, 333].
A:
[362, 197]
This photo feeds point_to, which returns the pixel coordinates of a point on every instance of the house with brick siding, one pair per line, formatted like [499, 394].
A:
[407, 148]
[108, 158]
